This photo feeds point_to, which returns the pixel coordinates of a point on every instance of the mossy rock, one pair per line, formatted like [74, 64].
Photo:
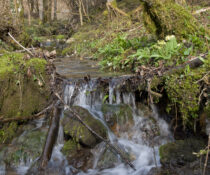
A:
[76, 130]
[26, 148]
[77, 156]
[165, 17]
[70, 147]
[118, 117]
[180, 152]
[107, 160]
[8, 132]
[23, 85]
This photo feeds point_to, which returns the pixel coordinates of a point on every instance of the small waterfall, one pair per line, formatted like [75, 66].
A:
[89, 96]
[142, 148]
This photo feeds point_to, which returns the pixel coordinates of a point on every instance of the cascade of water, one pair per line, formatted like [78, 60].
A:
[133, 140]
[142, 148]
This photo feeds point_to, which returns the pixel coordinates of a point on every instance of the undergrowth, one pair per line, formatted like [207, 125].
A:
[185, 90]
[128, 54]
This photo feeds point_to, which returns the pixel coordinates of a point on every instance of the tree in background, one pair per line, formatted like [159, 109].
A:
[6, 19]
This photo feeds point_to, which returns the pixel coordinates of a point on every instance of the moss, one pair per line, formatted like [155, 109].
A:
[8, 132]
[171, 154]
[183, 92]
[37, 64]
[59, 37]
[23, 85]
[165, 17]
[79, 133]
[28, 147]
[70, 147]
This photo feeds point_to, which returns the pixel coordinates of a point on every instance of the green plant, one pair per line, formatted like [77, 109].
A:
[162, 50]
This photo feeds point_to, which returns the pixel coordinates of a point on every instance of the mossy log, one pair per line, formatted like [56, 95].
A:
[166, 17]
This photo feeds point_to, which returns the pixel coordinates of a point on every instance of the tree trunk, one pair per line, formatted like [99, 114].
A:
[29, 12]
[37, 8]
[166, 17]
[49, 12]
[55, 10]
[45, 11]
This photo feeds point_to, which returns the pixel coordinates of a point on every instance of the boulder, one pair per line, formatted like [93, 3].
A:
[180, 152]
[75, 129]
[77, 156]
[25, 149]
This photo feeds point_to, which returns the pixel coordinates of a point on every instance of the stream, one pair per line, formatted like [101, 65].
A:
[140, 138]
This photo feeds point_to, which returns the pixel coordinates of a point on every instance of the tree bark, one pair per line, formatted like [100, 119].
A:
[55, 10]
[49, 12]
[29, 12]
[45, 11]
[51, 137]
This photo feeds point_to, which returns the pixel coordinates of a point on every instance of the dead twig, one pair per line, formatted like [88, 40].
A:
[201, 10]
[207, 155]
[203, 77]
[21, 45]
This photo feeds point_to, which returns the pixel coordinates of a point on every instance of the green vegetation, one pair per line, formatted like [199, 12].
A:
[23, 85]
[164, 17]
[14, 63]
[8, 132]
[183, 90]
[128, 54]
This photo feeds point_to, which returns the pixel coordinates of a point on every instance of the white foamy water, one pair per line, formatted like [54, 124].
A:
[133, 140]
[142, 148]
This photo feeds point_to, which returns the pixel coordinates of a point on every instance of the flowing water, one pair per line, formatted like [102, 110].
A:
[88, 95]
[134, 140]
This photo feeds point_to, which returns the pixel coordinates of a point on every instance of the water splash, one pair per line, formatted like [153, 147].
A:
[133, 140]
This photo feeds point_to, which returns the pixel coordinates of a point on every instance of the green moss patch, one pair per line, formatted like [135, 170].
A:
[165, 17]
[23, 85]
[183, 90]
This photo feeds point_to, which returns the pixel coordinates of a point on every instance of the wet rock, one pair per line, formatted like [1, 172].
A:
[25, 149]
[194, 168]
[77, 156]
[107, 160]
[105, 157]
[144, 110]
[180, 152]
[118, 117]
[75, 129]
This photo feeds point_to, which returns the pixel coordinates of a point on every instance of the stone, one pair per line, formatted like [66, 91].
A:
[26, 148]
[76, 130]
[77, 156]
[180, 152]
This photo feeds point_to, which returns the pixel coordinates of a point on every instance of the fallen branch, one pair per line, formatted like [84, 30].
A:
[27, 50]
[94, 133]
[16, 119]
[207, 156]
[201, 10]
[193, 63]
[109, 4]
[51, 137]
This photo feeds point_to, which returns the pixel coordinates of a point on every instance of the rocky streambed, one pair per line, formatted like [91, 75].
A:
[115, 110]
